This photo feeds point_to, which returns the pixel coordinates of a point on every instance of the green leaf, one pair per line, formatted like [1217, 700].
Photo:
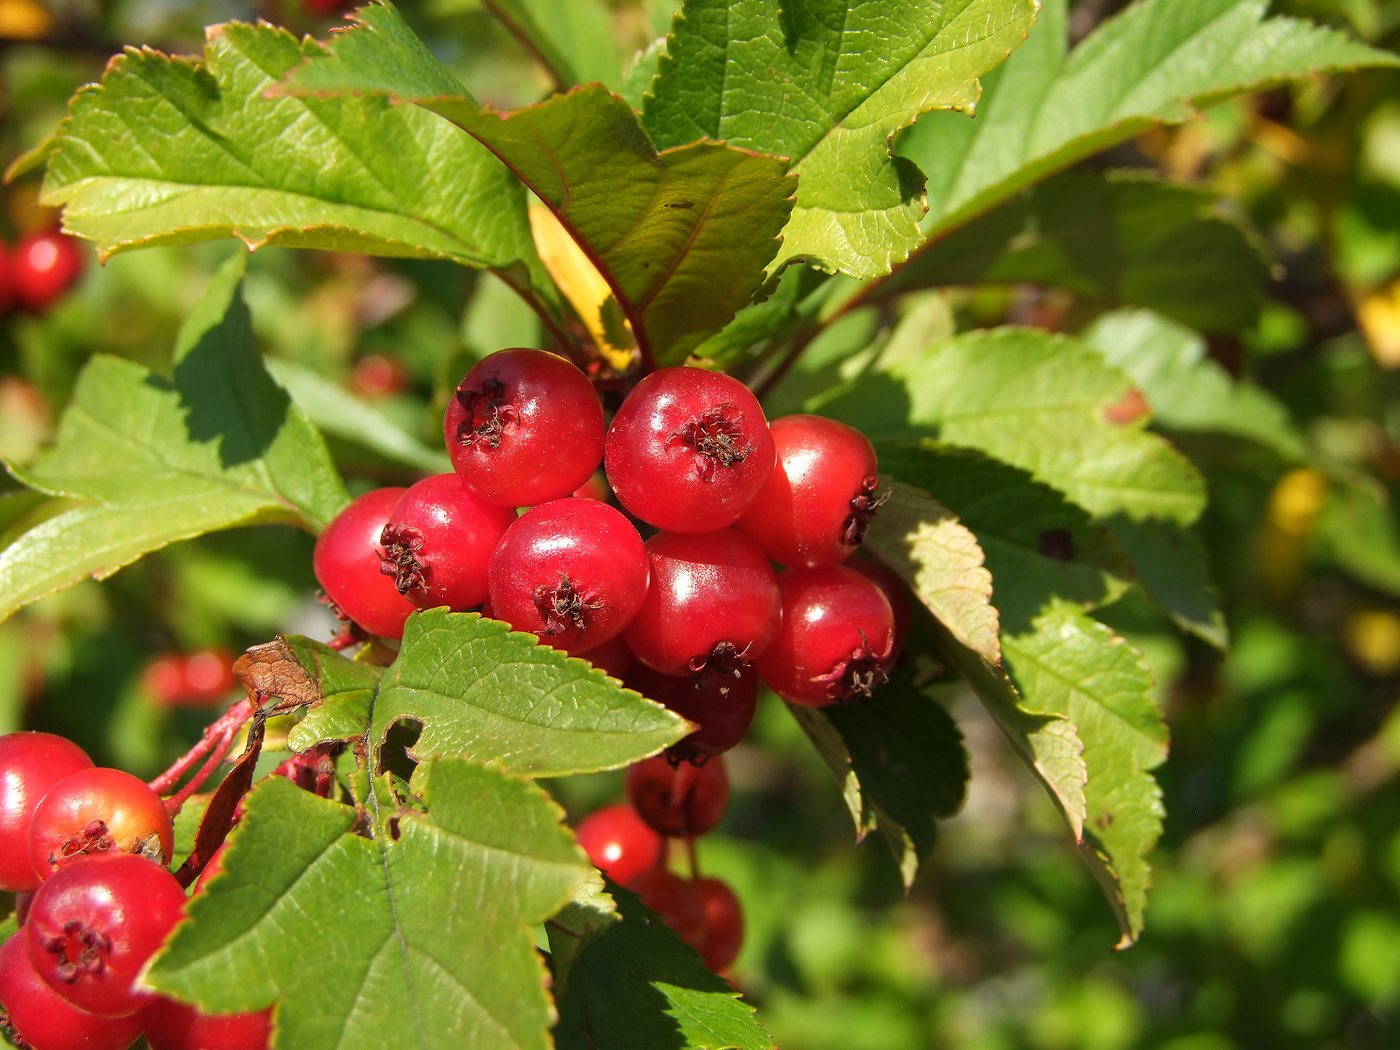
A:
[1185, 388]
[486, 693]
[160, 461]
[573, 39]
[420, 941]
[681, 236]
[171, 151]
[827, 85]
[636, 986]
[899, 759]
[1069, 665]
[1358, 529]
[338, 412]
[1171, 564]
[1117, 238]
[1036, 401]
[346, 689]
[1040, 548]
[1154, 63]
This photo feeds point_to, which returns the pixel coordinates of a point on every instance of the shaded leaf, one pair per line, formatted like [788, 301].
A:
[1171, 564]
[1154, 63]
[484, 692]
[1121, 238]
[573, 39]
[427, 935]
[827, 85]
[636, 986]
[160, 461]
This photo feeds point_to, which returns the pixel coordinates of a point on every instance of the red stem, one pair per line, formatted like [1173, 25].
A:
[217, 734]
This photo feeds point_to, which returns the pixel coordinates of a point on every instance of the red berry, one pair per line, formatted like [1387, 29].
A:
[818, 501]
[525, 427]
[894, 590]
[724, 923]
[573, 571]
[30, 764]
[682, 800]
[44, 265]
[618, 842]
[177, 1026]
[722, 705]
[377, 376]
[43, 1019]
[689, 450]
[438, 543]
[837, 637]
[675, 900]
[713, 603]
[97, 811]
[208, 677]
[94, 924]
[347, 560]
[164, 679]
[613, 657]
[7, 279]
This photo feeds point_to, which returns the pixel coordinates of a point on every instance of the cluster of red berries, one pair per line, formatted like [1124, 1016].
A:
[203, 678]
[631, 843]
[38, 269]
[698, 605]
[85, 850]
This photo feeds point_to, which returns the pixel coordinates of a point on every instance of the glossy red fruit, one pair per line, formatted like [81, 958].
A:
[177, 1026]
[30, 764]
[209, 677]
[722, 705]
[837, 638]
[817, 503]
[682, 800]
[613, 657]
[164, 679]
[619, 843]
[688, 450]
[524, 427]
[43, 1019]
[95, 811]
[894, 590]
[43, 267]
[675, 900]
[377, 376]
[724, 924]
[438, 542]
[347, 560]
[713, 603]
[573, 571]
[94, 924]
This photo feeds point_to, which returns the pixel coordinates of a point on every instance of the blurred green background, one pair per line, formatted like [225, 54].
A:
[1275, 917]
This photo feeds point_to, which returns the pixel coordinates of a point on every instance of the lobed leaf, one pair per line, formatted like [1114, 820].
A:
[170, 151]
[1116, 238]
[827, 86]
[161, 460]
[1155, 63]
[486, 693]
[635, 985]
[681, 236]
[1040, 402]
[428, 933]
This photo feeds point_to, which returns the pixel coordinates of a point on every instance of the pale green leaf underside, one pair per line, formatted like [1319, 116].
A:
[1154, 63]
[1072, 666]
[1036, 401]
[827, 86]
[489, 694]
[219, 446]
[169, 151]
[427, 935]
[681, 236]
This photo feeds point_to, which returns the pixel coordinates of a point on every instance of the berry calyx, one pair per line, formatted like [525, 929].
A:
[722, 705]
[524, 427]
[724, 924]
[43, 267]
[619, 843]
[837, 637]
[96, 811]
[679, 800]
[675, 900]
[170, 1025]
[572, 571]
[438, 541]
[93, 926]
[347, 560]
[44, 1020]
[30, 765]
[816, 505]
[688, 450]
[713, 604]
